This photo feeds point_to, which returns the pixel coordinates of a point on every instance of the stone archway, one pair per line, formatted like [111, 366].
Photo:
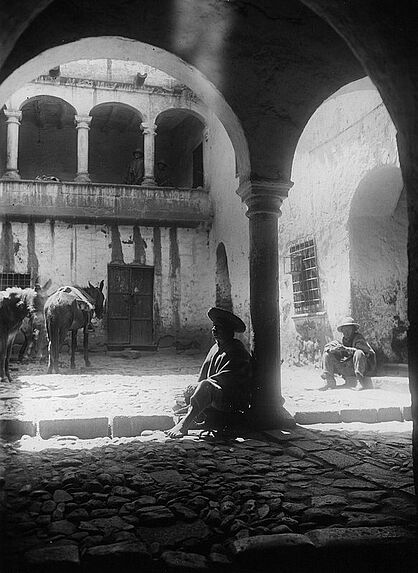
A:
[47, 139]
[223, 283]
[125, 49]
[378, 229]
[115, 132]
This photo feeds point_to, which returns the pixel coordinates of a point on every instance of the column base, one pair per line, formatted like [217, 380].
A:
[82, 178]
[149, 182]
[277, 418]
[11, 175]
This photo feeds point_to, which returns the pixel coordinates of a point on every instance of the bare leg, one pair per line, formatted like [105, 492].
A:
[86, 345]
[200, 400]
[328, 369]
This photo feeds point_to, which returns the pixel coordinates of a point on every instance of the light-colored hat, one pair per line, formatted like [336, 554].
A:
[348, 321]
[226, 319]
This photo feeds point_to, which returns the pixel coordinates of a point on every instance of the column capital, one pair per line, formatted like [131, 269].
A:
[149, 128]
[13, 116]
[264, 196]
[82, 121]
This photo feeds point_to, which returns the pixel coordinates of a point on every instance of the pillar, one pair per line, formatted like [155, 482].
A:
[149, 131]
[264, 199]
[13, 123]
[83, 127]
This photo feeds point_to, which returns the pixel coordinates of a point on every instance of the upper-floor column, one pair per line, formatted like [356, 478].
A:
[12, 151]
[149, 131]
[83, 126]
[264, 199]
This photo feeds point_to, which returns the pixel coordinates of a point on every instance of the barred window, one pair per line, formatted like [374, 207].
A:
[21, 280]
[304, 271]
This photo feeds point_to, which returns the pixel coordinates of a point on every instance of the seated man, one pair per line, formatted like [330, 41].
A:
[352, 357]
[224, 382]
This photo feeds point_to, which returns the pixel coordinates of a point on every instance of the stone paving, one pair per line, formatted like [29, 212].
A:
[153, 504]
[337, 495]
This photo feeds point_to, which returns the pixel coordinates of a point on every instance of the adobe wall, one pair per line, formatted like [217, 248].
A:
[348, 138]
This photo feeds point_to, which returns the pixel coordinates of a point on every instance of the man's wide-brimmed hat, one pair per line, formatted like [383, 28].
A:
[348, 321]
[226, 319]
[139, 151]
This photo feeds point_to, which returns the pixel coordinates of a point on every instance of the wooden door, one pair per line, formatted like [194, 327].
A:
[130, 306]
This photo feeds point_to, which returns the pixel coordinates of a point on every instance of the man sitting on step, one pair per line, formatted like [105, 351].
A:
[224, 383]
[351, 358]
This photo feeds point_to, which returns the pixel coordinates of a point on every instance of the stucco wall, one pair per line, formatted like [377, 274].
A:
[347, 138]
[76, 254]
[230, 225]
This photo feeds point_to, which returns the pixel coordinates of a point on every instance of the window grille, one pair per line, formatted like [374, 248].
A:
[21, 280]
[304, 271]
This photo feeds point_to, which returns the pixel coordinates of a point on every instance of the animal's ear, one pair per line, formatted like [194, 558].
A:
[101, 285]
[46, 285]
[90, 285]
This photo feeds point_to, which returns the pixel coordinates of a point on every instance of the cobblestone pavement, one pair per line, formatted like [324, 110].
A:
[339, 496]
[153, 504]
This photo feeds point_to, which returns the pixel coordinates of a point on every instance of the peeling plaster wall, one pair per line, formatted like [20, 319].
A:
[348, 137]
[230, 225]
[379, 267]
[76, 254]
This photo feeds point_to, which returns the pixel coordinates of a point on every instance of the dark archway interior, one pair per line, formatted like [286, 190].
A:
[115, 132]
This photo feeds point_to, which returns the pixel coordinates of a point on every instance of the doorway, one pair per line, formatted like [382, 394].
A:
[130, 306]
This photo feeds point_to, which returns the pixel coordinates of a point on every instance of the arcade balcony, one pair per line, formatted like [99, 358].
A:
[21, 200]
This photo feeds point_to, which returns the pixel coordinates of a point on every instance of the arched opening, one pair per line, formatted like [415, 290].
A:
[126, 49]
[115, 133]
[378, 227]
[348, 138]
[223, 283]
[179, 149]
[47, 139]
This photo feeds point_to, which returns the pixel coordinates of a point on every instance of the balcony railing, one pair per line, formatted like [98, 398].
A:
[104, 203]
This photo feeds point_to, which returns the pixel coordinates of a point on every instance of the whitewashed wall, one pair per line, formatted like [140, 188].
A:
[347, 141]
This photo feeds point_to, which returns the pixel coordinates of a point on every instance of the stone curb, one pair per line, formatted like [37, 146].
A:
[83, 428]
[367, 415]
[131, 426]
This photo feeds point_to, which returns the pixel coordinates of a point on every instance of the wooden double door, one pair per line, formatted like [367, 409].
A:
[130, 306]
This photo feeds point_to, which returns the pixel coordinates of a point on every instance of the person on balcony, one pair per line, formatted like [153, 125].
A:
[135, 173]
[224, 382]
[352, 358]
[162, 175]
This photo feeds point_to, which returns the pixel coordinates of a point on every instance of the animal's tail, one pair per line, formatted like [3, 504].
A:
[53, 333]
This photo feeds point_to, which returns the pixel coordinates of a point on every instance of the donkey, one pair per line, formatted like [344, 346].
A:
[71, 308]
[33, 330]
[15, 305]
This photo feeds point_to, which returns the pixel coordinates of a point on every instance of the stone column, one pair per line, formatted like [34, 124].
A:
[83, 126]
[149, 131]
[13, 123]
[264, 199]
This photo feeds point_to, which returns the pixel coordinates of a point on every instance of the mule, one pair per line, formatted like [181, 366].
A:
[32, 332]
[15, 305]
[69, 309]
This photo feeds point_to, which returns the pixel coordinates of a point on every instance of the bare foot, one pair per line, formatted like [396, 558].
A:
[178, 431]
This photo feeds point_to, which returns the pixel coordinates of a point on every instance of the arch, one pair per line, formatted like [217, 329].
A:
[346, 182]
[32, 91]
[378, 229]
[122, 49]
[115, 132]
[180, 144]
[378, 193]
[125, 106]
[47, 138]
[223, 283]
